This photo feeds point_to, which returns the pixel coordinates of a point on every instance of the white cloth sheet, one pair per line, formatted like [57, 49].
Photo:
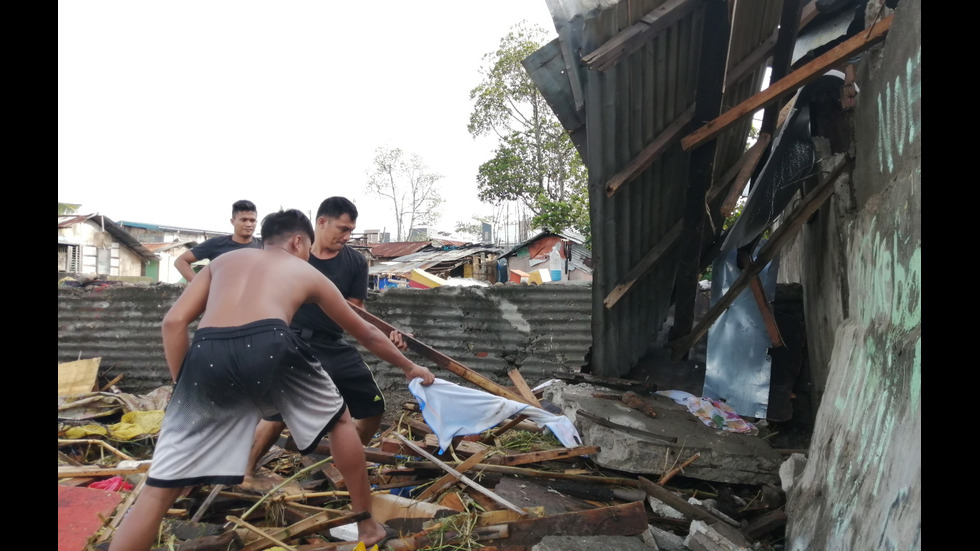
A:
[452, 410]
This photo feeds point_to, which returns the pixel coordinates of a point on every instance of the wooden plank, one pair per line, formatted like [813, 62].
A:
[319, 522]
[649, 260]
[783, 234]
[460, 476]
[638, 34]
[689, 510]
[449, 479]
[796, 79]
[761, 301]
[67, 471]
[440, 359]
[628, 519]
[522, 387]
[549, 455]
[649, 154]
[535, 473]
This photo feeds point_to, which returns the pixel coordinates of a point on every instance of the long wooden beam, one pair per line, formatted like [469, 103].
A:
[650, 153]
[636, 35]
[796, 79]
[811, 203]
[441, 359]
[649, 260]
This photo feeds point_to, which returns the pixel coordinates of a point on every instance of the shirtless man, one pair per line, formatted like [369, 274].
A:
[242, 364]
[335, 221]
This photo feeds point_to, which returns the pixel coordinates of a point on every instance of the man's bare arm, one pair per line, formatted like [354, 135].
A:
[183, 265]
[333, 304]
[188, 307]
[395, 337]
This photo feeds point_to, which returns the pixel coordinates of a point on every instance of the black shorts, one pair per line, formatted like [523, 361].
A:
[343, 362]
[231, 377]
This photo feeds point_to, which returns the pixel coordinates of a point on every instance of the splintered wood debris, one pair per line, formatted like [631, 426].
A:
[503, 490]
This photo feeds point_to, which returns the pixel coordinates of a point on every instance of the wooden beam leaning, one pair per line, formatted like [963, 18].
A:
[441, 359]
[796, 79]
[752, 158]
[650, 153]
[633, 38]
[810, 204]
[646, 264]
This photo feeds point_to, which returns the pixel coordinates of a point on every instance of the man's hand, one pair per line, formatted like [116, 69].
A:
[419, 371]
[396, 339]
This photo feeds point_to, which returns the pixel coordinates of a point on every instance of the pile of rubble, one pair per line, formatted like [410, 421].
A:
[647, 475]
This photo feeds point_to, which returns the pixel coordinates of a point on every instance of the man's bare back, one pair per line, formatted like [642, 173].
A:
[255, 284]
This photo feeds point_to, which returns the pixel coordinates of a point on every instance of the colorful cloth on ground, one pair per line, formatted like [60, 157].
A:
[714, 413]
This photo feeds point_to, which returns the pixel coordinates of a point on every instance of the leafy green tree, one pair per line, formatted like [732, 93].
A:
[407, 182]
[68, 208]
[535, 162]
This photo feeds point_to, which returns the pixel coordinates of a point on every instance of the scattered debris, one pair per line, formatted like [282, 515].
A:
[510, 490]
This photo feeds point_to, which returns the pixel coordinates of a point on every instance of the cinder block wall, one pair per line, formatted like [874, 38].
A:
[536, 329]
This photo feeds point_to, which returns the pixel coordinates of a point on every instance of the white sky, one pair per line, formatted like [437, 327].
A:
[168, 112]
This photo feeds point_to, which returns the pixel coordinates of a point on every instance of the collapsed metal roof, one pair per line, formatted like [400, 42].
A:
[657, 96]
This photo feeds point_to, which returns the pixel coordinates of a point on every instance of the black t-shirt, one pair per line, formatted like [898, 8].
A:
[217, 246]
[349, 272]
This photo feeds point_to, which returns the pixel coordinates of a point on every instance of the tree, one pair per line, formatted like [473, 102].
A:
[68, 208]
[409, 185]
[535, 162]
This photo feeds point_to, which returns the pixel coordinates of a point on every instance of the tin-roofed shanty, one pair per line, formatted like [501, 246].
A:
[92, 243]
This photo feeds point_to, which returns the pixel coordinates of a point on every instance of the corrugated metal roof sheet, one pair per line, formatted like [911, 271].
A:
[622, 78]
[437, 262]
[394, 250]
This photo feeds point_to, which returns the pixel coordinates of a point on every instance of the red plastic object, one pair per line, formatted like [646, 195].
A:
[113, 484]
[78, 514]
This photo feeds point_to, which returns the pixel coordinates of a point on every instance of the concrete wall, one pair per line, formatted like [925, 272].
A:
[89, 234]
[859, 261]
[536, 329]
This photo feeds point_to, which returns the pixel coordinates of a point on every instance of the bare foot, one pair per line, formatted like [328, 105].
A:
[371, 532]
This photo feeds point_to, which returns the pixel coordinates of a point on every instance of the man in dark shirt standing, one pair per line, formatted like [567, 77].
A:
[243, 220]
[348, 270]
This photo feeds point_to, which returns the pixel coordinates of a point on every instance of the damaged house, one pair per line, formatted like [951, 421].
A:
[94, 244]
[811, 320]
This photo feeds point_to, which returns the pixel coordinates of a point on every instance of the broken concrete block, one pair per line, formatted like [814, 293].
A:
[662, 509]
[667, 541]
[651, 444]
[716, 537]
[791, 469]
[709, 504]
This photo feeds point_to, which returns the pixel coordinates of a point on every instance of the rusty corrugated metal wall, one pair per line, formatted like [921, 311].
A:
[537, 329]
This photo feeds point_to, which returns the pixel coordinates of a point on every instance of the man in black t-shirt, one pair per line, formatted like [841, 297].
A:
[243, 220]
[348, 270]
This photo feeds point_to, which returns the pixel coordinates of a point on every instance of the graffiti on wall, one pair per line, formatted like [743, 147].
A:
[898, 113]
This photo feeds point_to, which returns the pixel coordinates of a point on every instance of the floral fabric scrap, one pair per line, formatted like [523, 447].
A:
[713, 413]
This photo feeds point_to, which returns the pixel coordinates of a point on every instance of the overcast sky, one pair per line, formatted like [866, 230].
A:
[168, 112]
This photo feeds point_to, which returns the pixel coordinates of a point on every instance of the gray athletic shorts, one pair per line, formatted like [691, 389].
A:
[354, 379]
[231, 378]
